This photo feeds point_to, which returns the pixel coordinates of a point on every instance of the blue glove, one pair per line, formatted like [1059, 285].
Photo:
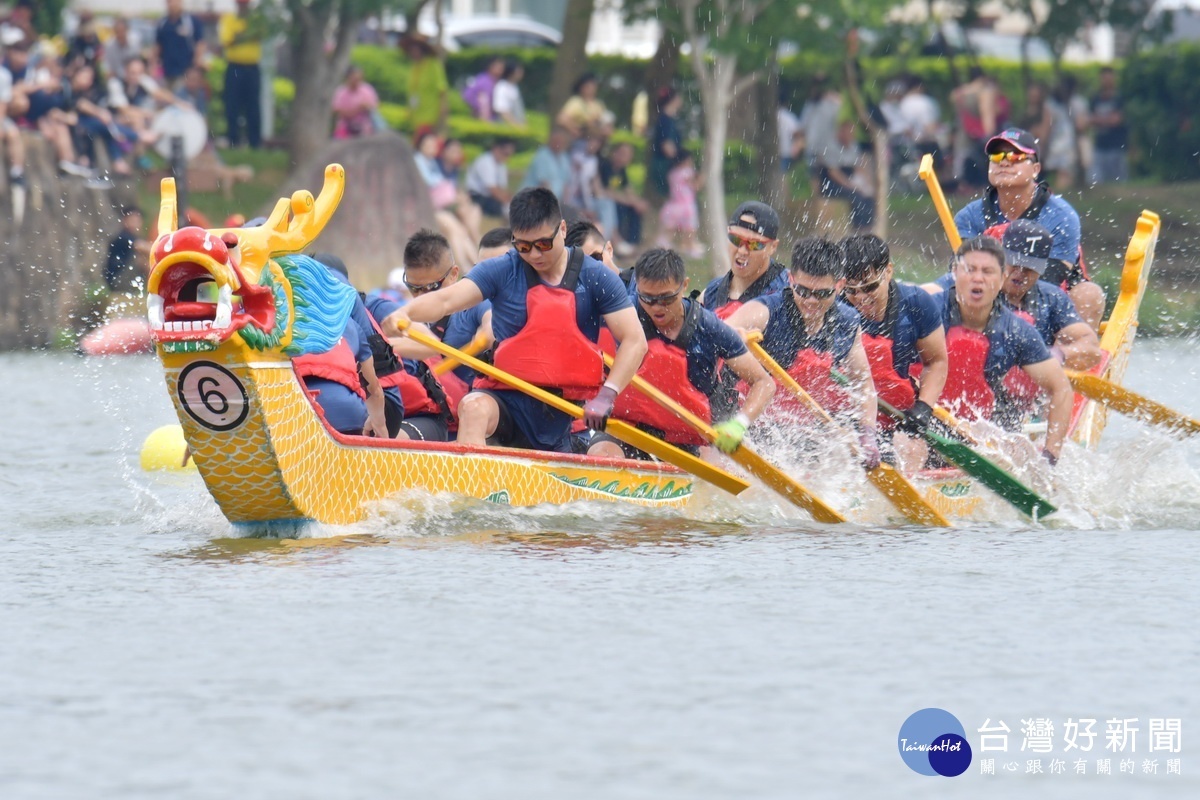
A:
[597, 410]
[729, 434]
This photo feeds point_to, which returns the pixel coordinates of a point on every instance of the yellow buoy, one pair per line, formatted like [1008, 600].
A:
[166, 449]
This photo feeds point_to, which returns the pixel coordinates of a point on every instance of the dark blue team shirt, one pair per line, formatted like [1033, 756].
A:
[773, 286]
[1056, 216]
[919, 316]
[712, 341]
[1012, 342]
[177, 42]
[785, 335]
[1051, 309]
[502, 281]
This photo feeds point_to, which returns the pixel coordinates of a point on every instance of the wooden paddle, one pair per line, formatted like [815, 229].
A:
[621, 430]
[471, 348]
[1133, 404]
[755, 464]
[895, 487]
[926, 173]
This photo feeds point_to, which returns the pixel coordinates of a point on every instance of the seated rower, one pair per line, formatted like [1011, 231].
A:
[753, 240]
[901, 328]
[686, 346]
[808, 332]
[1016, 192]
[985, 339]
[586, 235]
[548, 301]
[495, 242]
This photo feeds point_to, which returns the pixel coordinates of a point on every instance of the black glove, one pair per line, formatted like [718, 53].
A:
[596, 410]
[916, 419]
[1050, 458]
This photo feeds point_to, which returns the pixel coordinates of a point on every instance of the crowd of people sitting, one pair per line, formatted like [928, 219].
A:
[989, 340]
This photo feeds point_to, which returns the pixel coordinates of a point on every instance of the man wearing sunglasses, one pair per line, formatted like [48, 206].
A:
[547, 305]
[809, 332]
[902, 327]
[1016, 191]
[753, 240]
[687, 344]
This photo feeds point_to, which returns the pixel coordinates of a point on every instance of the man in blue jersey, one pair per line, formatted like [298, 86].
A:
[1027, 246]
[547, 305]
[687, 345]
[985, 339]
[902, 328]
[753, 240]
[1015, 192]
[809, 333]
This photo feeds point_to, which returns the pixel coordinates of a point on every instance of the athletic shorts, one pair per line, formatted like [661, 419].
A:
[528, 422]
[426, 428]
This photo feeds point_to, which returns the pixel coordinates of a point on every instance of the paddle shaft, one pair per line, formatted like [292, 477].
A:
[1131, 403]
[473, 347]
[623, 431]
[895, 487]
[927, 174]
[755, 464]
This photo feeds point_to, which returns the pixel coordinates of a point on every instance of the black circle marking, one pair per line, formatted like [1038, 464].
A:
[213, 396]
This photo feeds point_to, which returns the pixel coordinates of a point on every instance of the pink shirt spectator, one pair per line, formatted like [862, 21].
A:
[353, 103]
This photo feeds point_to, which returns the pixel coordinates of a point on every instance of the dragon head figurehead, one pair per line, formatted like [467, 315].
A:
[210, 286]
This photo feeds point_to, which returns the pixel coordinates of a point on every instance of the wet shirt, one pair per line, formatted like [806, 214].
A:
[774, 280]
[1056, 216]
[918, 317]
[712, 341]
[502, 281]
[785, 334]
[1012, 342]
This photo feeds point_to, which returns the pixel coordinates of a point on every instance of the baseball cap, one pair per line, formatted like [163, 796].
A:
[1027, 244]
[1019, 138]
[765, 220]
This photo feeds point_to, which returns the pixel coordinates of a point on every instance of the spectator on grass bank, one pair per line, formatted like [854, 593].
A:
[666, 141]
[178, 42]
[85, 44]
[242, 33]
[428, 89]
[1109, 160]
[487, 179]
[354, 104]
[551, 165]
[614, 177]
[582, 113]
[478, 92]
[839, 168]
[982, 110]
[120, 47]
[507, 103]
[194, 89]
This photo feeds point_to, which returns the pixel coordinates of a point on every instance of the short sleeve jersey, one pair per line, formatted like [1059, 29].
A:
[1051, 309]
[1056, 216]
[502, 281]
[1012, 342]
[918, 317]
[775, 279]
[711, 342]
[785, 334]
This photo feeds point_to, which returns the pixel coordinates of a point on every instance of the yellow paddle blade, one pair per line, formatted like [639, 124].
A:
[899, 491]
[753, 463]
[626, 433]
[1133, 404]
[926, 173]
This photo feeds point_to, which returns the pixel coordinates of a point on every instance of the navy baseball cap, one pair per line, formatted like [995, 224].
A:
[765, 222]
[1027, 244]
[1019, 138]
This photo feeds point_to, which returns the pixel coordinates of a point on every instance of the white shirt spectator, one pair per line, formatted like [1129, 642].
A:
[118, 97]
[789, 126]
[486, 173]
[6, 85]
[116, 55]
[506, 99]
[920, 116]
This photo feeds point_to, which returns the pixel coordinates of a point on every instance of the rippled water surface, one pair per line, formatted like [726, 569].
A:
[452, 649]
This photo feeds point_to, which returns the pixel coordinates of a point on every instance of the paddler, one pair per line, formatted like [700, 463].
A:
[1015, 192]
[809, 332]
[985, 339]
[753, 240]
[687, 344]
[901, 329]
[548, 301]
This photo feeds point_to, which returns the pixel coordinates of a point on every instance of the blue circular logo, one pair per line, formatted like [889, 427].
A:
[934, 742]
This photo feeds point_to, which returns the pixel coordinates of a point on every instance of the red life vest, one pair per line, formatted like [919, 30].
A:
[550, 351]
[967, 393]
[889, 384]
[811, 369]
[413, 393]
[337, 365]
[1021, 388]
[666, 367]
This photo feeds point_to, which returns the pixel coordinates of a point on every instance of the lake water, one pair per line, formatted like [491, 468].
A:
[450, 650]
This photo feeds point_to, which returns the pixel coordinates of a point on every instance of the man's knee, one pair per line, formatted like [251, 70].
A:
[479, 409]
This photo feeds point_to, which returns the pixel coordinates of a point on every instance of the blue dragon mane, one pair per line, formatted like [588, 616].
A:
[322, 305]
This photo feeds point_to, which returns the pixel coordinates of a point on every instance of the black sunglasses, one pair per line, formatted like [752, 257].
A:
[416, 289]
[803, 292]
[543, 245]
[659, 299]
[865, 288]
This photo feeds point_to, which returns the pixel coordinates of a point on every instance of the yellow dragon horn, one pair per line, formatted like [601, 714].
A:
[168, 209]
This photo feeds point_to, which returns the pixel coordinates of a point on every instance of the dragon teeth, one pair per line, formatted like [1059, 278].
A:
[224, 313]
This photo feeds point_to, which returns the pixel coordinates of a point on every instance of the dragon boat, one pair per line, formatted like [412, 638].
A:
[955, 494]
[226, 321]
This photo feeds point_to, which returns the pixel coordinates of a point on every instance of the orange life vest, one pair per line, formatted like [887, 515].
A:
[550, 351]
[666, 367]
[336, 364]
